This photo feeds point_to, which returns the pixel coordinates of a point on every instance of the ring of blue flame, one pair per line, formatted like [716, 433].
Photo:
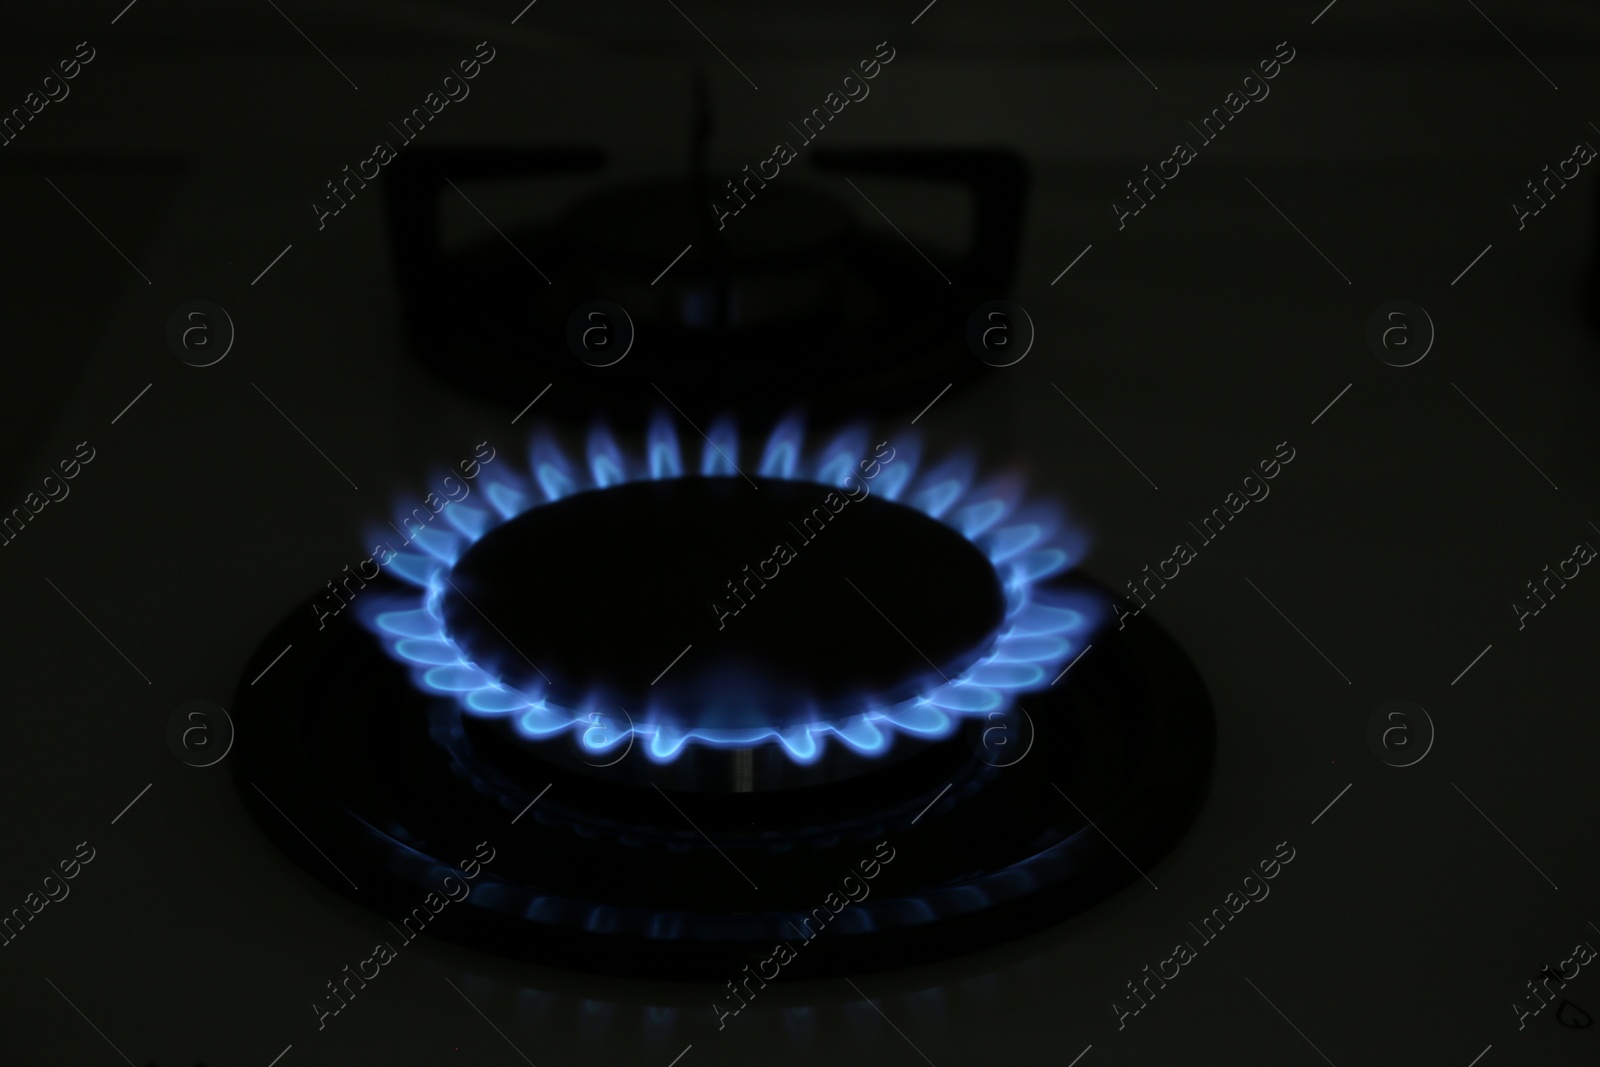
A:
[1042, 631]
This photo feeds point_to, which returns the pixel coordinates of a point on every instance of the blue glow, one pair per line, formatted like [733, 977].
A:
[1040, 634]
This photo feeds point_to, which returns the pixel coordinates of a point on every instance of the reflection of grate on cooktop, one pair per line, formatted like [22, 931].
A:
[619, 861]
[796, 302]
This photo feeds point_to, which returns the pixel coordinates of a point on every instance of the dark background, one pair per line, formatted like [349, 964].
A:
[1197, 338]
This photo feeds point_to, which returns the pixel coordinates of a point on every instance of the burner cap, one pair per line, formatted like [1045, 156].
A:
[789, 604]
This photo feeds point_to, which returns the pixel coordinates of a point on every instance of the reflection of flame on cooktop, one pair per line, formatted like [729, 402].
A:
[536, 653]
[934, 629]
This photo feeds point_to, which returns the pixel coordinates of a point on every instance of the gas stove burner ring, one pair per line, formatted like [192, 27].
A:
[451, 630]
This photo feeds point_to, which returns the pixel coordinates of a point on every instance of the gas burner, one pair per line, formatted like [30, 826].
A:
[915, 683]
[766, 657]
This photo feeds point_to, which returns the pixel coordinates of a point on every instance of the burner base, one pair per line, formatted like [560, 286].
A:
[978, 839]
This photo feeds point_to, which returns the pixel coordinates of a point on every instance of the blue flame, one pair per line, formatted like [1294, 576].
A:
[1026, 543]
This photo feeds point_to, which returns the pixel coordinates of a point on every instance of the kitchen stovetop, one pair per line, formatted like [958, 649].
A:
[1412, 908]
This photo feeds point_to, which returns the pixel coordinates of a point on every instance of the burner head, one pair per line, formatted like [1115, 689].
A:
[796, 603]
[818, 600]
